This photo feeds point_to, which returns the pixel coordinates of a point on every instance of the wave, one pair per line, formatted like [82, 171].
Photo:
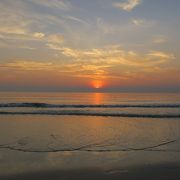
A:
[46, 105]
[90, 113]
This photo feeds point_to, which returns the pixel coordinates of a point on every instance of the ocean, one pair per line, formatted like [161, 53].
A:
[110, 132]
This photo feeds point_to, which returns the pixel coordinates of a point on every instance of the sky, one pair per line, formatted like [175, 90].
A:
[90, 45]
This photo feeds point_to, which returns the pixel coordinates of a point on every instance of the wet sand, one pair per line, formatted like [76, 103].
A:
[89, 148]
[154, 172]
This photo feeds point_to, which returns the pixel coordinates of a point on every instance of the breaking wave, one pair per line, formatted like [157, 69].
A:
[46, 105]
[144, 110]
[90, 113]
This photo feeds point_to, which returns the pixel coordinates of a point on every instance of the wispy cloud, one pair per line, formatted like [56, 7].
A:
[27, 65]
[38, 35]
[159, 54]
[103, 59]
[127, 5]
[55, 38]
[59, 4]
[29, 40]
[159, 39]
[72, 18]
[138, 22]
[112, 55]
[98, 63]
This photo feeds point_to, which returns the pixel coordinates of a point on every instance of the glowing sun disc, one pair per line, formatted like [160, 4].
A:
[97, 84]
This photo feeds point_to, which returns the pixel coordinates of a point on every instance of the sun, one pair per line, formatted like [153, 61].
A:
[97, 84]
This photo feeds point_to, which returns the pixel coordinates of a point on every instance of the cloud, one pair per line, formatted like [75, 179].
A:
[27, 65]
[59, 4]
[21, 27]
[76, 19]
[159, 39]
[138, 22]
[144, 23]
[159, 54]
[12, 29]
[101, 60]
[13, 25]
[113, 55]
[64, 50]
[97, 63]
[38, 35]
[15, 42]
[55, 38]
[13, 18]
[127, 5]
[25, 41]
[18, 19]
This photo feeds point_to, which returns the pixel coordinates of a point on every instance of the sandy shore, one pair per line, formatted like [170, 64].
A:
[135, 148]
[159, 172]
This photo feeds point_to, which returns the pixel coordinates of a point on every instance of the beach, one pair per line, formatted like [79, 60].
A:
[89, 146]
[164, 172]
